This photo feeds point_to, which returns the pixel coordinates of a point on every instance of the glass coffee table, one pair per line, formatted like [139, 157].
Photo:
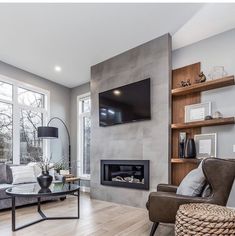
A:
[34, 190]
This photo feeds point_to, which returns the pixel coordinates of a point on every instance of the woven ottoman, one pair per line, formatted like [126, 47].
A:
[204, 219]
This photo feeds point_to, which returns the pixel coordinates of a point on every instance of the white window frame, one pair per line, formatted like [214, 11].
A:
[80, 117]
[16, 107]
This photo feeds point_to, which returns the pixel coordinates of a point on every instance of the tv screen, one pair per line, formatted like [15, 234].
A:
[125, 104]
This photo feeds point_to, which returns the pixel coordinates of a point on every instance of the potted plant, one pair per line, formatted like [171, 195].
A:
[61, 167]
[44, 179]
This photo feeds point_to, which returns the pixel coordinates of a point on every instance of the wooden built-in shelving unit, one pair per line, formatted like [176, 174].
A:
[187, 96]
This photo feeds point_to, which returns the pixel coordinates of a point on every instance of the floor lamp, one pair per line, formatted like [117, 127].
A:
[48, 132]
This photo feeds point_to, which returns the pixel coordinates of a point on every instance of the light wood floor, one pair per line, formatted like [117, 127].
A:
[96, 218]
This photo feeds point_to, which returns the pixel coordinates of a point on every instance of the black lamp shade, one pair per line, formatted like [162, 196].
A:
[47, 132]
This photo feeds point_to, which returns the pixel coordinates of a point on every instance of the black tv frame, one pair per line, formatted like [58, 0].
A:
[131, 121]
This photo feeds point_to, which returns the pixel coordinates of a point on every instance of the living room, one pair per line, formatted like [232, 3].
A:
[117, 119]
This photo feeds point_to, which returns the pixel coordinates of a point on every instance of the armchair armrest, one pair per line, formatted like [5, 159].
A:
[167, 188]
[163, 206]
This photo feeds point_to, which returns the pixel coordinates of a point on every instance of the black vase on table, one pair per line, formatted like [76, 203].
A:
[190, 148]
[44, 180]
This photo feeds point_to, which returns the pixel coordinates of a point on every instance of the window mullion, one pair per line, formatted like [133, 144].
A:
[6, 101]
[16, 128]
[36, 109]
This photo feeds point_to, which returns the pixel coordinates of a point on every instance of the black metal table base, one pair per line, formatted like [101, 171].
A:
[43, 216]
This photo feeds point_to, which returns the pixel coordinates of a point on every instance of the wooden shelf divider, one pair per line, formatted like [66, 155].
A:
[185, 160]
[204, 123]
[213, 84]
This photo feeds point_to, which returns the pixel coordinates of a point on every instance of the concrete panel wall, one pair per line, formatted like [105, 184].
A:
[147, 140]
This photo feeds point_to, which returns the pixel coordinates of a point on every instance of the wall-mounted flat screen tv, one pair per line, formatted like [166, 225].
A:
[125, 104]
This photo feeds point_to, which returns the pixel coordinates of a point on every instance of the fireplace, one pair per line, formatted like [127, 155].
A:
[125, 173]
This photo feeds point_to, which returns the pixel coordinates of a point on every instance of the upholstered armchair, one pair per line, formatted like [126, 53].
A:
[163, 204]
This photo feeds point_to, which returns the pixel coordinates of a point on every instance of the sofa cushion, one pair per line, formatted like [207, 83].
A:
[9, 173]
[3, 173]
[3, 188]
[193, 183]
[23, 174]
[37, 169]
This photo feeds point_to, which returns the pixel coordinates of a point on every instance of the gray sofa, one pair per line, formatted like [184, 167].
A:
[6, 182]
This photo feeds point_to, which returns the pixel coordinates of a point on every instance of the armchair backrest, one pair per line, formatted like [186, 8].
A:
[220, 175]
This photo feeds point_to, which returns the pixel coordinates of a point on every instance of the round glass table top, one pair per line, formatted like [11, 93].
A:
[34, 189]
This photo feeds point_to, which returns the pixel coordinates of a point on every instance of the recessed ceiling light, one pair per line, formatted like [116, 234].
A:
[57, 68]
[117, 92]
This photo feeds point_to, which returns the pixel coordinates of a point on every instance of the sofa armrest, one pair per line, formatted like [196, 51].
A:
[163, 206]
[59, 177]
[167, 188]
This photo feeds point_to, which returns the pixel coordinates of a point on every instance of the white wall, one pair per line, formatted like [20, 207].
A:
[215, 51]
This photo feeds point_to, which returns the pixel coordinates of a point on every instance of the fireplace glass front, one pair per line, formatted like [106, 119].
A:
[125, 173]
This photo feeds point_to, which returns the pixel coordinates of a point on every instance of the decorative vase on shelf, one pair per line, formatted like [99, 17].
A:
[190, 148]
[182, 142]
[44, 180]
[217, 72]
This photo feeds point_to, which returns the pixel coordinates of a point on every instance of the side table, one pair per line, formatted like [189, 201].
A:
[204, 219]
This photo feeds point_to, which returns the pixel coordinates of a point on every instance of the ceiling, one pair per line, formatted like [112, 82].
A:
[210, 20]
[75, 36]
[37, 37]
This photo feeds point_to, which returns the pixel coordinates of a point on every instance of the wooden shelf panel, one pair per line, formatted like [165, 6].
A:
[204, 123]
[185, 160]
[213, 84]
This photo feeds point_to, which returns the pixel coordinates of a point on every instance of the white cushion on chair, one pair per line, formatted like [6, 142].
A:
[193, 183]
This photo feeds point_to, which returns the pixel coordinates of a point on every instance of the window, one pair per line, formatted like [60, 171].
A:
[22, 109]
[5, 132]
[84, 135]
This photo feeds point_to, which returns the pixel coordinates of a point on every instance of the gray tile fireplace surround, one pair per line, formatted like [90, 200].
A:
[147, 140]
